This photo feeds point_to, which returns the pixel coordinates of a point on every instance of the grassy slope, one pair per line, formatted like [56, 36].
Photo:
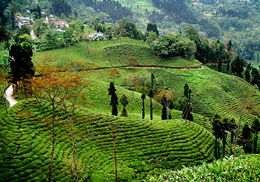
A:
[212, 92]
[26, 146]
[208, 87]
[112, 53]
[98, 95]
[24, 142]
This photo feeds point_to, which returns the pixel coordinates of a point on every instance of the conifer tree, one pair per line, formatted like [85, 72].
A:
[114, 99]
[246, 136]
[124, 102]
[237, 66]
[256, 129]
[171, 106]
[255, 76]
[217, 134]
[164, 109]
[143, 112]
[186, 90]
[151, 94]
[247, 72]
[229, 45]
[231, 127]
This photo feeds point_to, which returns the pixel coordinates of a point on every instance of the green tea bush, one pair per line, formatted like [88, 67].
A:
[243, 168]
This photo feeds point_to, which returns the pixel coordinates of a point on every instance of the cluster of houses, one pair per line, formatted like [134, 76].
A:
[96, 35]
[20, 21]
[57, 23]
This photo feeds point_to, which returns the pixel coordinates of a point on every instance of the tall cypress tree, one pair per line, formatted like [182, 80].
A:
[151, 94]
[143, 113]
[246, 136]
[229, 45]
[186, 90]
[255, 76]
[231, 127]
[114, 99]
[247, 72]
[164, 109]
[256, 129]
[124, 102]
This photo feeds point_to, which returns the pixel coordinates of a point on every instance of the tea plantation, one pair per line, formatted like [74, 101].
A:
[26, 145]
[144, 147]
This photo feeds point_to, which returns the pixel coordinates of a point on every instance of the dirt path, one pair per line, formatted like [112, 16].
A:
[163, 67]
[152, 67]
[32, 34]
[8, 95]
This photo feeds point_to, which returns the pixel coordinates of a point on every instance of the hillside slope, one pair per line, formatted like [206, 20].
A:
[212, 92]
[26, 145]
[110, 53]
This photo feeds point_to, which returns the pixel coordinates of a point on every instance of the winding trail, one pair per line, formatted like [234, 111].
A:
[8, 95]
[32, 34]
[151, 67]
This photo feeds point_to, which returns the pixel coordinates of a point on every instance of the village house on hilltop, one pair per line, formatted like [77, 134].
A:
[57, 23]
[21, 20]
[97, 35]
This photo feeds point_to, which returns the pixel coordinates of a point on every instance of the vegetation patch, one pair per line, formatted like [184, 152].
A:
[243, 168]
[143, 147]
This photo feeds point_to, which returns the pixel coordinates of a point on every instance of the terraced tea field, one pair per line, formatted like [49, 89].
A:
[212, 92]
[26, 145]
[113, 53]
[143, 147]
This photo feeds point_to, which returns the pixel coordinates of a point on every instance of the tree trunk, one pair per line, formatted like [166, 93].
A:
[133, 97]
[52, 153]
[256, 138]
[237, 132]
[216, 152]
[164, 113]
[151, 108]
[232, 141]
[224, 146]
[114, 110]
[143, 114]
[74, 153]
[114, 139]
[219, 149]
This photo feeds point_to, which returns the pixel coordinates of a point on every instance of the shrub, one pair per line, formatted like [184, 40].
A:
[243, 168]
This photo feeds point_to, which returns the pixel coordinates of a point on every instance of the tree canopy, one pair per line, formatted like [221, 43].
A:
[21, 61]
[175, 45]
